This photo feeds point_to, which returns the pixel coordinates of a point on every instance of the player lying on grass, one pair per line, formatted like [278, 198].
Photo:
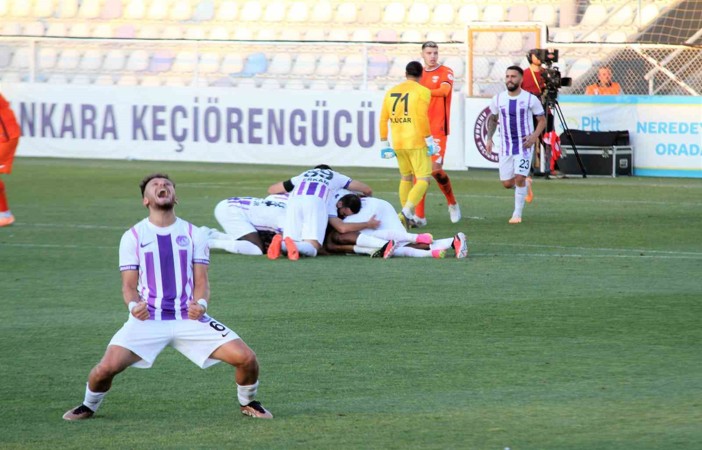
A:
[391, 234]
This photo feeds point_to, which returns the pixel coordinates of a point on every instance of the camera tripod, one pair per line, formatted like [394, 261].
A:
[552, 103]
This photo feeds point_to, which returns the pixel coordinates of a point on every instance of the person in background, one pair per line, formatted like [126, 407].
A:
[604, 85]
[9, 138]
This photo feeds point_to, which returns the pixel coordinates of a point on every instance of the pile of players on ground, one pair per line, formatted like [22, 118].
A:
[320, 212]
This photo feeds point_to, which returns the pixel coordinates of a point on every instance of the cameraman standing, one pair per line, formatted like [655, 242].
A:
[534, 83]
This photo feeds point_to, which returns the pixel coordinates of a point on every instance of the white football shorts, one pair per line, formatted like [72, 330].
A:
[233, 220]
[513, 165]
[197, 340]
[306, 219]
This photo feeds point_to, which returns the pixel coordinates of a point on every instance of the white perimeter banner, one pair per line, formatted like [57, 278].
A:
[665, 131]
[299, 128]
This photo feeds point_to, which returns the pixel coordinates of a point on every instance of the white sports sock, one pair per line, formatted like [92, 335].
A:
[305, 248]
[519, 199]
[411, 252]
[441, 244]
[365, 240]
[243, 248]
[246, 394]
[363, 250]
[93, 399]
[395, 235]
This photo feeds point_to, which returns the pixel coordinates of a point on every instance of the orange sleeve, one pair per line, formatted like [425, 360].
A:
[442, 91]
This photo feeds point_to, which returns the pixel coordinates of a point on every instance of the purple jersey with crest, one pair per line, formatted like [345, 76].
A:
[515, 116]
[164, 258]
[319, 183]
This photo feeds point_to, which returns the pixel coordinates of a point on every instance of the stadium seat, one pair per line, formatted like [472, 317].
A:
[295, 84]
[319, 85]
[322, 12]
[127, 80]
[180, 11]
[493, 13]
[270, 84]
[20, 9]
[411, 35]
[563, 35]
[328, 65]
[161, 61]
[104, 80]
[305, 64]
[57, 78]
[12, 29]
[281, 64]
[648, 13]
[338, 34]
[111, 10]
[158, 10]
[251, 11]
[149, 31]
[204, 11]
[172, 32]
[362, 35]
[397, 68]
[353, 66]
[545, 13]
[289, 34]
[184, 61]
[81, 79]
[56, 29]
[468, 13]
[232, 64]
[616, 37]
[419, 13]
[443, 14]
[103, 30]
[394, 13]
[511, 42]
[315, 34]
[386, 36]
[594, 15]
[125, 31]
[481, 68]
[135, 10]
[499, 68]
[65, 9]
[344, 85]
[219, 33]
[114, 60]
[80, 30]
[47, 58]
[243, 34]
[275, 12]
[579, 68]
[485, 43]
[374, 86]
[89, 9]
[346, 13]
[297, 12]
[246, 83]
[151, 80]
[6, 56]
[267, 34]
[195, 32]
[436, 36]
[519, 13]
[209, 62]
[69, 59]
[42, 9]
[256, 63]
[138, 61]
[370, 13]
[378, 66]
[457, 65]
[91, 60]
[622, 18]
[227, 11]
[225, 82]
[174, 81]
[35, 28]
[593, 36]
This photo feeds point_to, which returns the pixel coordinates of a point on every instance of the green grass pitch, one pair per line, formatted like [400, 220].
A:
[581, 328]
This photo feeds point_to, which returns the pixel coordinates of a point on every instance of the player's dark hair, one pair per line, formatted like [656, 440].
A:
[352, 202]
[430, 44]
[414, 69]
[517, 68]
[323, 167]
[148, 178]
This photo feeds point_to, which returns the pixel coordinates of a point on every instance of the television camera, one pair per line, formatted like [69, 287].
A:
[553, 80]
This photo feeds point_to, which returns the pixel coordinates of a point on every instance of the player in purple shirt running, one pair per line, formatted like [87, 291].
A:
[163, 260]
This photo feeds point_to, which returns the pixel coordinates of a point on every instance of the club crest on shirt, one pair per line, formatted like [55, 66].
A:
[434, 78]
[480, 135]
[183, 241]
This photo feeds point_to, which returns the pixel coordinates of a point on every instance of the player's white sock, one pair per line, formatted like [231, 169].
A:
[242, 248]
[395, 235]
[441, 244]
[305, 248]
[411, 252]
[519, 199]
[246, 394]
[365, 240]
[364, 250]
[93, 399]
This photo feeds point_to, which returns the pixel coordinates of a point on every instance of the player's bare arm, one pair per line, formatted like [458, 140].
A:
[533, 138]
[130, 280]
[344, 227]
[359, 186]
[492, 127]
[201, 290]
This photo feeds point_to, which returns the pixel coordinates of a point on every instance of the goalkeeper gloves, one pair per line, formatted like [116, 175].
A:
[386, 152]
[432, 148]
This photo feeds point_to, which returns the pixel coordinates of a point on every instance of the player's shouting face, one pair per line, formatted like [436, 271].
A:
[159, 193]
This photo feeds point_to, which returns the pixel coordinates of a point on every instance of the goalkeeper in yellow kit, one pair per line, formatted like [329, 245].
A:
[406, 109]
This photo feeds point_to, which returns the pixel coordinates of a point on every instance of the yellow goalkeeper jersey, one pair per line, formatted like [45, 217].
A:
[406, 110]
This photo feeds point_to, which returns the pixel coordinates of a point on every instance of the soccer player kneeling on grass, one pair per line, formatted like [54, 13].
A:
[164, 260]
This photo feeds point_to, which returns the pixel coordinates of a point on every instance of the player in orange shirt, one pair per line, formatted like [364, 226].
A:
[604, 85]
[9, 138]
[406, 108]
[439, 80]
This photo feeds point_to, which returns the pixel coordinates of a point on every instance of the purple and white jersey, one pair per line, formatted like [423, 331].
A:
[164, 258]
[263, 214]
[515, 119]
[321, 183]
